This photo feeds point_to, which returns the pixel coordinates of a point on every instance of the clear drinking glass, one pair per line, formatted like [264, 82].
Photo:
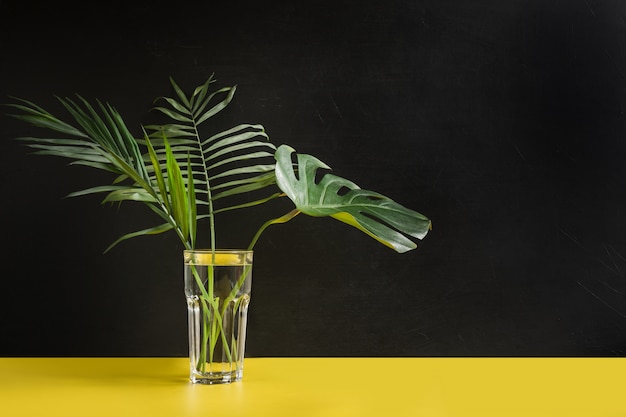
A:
[217, 287]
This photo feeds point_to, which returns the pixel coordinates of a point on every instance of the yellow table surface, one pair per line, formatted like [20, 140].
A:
[300, 387]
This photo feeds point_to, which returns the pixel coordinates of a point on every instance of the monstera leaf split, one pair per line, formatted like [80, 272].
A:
[374, 214]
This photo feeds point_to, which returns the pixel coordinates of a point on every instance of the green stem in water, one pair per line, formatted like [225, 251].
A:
[212, 323]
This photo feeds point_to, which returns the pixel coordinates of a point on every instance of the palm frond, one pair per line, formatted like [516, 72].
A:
[237, 162]
[100, 139]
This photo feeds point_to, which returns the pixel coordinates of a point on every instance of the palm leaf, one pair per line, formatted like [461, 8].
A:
[378, 216]
[101, 140]
[96, 139]
[150, 231]
[230, 169]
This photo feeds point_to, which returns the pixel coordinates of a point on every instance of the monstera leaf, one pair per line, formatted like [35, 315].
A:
[378, 216]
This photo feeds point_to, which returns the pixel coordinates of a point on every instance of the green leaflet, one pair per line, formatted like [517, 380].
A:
[378, 216]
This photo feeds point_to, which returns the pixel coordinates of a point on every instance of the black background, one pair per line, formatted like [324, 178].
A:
[502, 121]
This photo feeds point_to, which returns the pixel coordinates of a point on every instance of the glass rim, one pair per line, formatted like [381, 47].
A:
[218, 251]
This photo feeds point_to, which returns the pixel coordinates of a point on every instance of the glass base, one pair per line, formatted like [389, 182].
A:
[214, 378]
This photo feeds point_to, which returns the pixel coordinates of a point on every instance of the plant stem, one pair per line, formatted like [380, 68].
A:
[282, 219]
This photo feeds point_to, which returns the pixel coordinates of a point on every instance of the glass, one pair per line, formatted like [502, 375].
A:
[217, 287]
